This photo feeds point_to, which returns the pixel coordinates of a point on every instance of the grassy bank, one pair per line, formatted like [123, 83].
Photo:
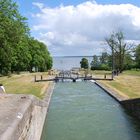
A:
[24, 84]
[97, 73]
[126, 84]
[101, 73]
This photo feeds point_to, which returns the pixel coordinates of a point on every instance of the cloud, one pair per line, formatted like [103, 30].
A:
[80, 29]
[38, 4]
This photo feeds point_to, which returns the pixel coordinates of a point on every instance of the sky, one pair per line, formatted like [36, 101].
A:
[79, 27]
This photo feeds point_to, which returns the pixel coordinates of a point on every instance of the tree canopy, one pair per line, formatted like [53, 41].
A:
[120, 50]
[84, 63]
[100, 62]
[18, 50]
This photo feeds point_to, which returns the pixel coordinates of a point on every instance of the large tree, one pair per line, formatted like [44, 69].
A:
[119, 50]
[21, 57]
[40, 57]
[18, 50]
[12, 29]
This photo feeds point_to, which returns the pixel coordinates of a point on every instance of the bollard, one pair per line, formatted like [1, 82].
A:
[35, 78]
[74, 80]
[105, 76]
[41, 77]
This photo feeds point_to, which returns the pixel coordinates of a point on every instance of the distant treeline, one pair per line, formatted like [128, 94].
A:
[18, 50]
[123, 56]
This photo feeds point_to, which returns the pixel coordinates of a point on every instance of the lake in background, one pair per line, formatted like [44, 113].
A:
[66, 63]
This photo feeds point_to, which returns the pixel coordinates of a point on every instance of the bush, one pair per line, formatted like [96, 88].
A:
[101, 67]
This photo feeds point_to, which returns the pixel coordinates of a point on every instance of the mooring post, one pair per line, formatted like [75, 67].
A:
[77, 75]
[41, 77]
[56, 79]
[74, 80]
[35, 78]
[104, 76]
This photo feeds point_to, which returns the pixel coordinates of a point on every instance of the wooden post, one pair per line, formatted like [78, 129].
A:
[56, 79]
[104, 76]
[77, 75]
[74, 80]
[35, 78]
[41, 77]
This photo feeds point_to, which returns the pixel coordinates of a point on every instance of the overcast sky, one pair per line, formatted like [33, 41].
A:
[78, 27]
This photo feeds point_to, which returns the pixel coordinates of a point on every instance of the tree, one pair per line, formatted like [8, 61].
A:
[94, 63]
[18, 50]
[21, 57]
[100, 62]
[129, 63]
[12, 28]
[40, 57]
[119, 49]
[84, 63]
[137, 56]
[104, 58]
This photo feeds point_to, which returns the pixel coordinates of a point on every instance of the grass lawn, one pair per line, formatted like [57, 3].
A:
[126, 84]
[24, 84]
[97, 73]
[101, 73]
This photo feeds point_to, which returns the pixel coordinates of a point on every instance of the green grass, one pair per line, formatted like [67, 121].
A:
[124, 89]
[126, 84]
[132, 72]
[24, 84]
[99, 72]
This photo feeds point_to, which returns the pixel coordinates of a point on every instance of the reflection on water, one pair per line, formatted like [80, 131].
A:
[83, 111]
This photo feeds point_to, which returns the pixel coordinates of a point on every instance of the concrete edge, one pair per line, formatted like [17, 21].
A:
[18, 125]
[47, 100]
[110, 92]
[14, 130]
[132, 100]
[40, 108]
[131, 105]
[44, 105]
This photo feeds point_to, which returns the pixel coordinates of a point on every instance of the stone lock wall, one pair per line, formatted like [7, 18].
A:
[28, 119]
[133, 106]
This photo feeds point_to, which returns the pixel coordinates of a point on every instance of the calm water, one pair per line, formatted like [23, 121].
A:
[83, 111]
[66, 63]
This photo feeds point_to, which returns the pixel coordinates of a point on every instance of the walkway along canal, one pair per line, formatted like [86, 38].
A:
[83, 111]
